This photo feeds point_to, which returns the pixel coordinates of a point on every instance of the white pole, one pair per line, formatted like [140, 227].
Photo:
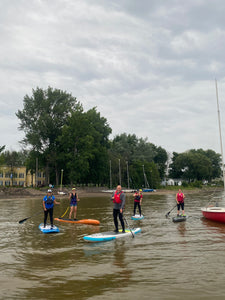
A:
[221, 144]
[119, 173]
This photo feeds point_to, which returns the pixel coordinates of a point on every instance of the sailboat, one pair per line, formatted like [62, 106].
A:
[216, 213]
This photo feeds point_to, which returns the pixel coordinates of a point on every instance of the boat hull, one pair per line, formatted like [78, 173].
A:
[216, 214]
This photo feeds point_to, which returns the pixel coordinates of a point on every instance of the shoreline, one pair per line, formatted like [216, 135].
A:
[17, 193]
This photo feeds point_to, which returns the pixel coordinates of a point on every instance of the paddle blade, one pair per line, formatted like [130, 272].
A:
[21, 221]
[167, 215]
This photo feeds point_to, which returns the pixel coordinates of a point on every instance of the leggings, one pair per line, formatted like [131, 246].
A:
[139, 207]
[117, 212]
[50, 212]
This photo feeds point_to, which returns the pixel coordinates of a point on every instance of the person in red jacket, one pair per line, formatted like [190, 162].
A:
[118, 198]
[180, 202]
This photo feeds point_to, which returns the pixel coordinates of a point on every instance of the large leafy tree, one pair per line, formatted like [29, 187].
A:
[42, 119]
[129, 150]
[84, 142]
[196, 165]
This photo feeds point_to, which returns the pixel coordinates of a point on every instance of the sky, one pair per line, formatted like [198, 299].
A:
[148, 66]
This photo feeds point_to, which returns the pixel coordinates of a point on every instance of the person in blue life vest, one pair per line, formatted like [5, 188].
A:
[48, 204]
[73, 198]
[118, 198]
[137, 201]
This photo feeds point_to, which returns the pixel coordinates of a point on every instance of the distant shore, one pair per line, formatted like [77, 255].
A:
[17, 193]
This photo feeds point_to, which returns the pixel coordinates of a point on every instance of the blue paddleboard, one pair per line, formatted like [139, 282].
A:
[110, 235]
[137, 217]
[48, 229]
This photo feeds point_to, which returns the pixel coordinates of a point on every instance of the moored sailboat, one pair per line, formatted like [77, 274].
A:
[216, 213]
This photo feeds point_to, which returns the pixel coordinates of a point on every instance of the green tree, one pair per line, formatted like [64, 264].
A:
[42, 119]
[84, 142]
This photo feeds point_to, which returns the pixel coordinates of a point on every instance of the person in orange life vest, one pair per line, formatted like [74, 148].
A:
[73, 198]
[137, 201]
[180, 202]
[119, 202]
[48, 204]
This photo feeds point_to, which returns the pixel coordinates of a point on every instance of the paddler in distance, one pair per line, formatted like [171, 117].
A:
[137, 201]
[48, 204]
[73, 198]
[119, 202]
[180, 202]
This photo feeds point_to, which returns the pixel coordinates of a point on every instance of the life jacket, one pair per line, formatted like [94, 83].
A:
[117, 198]
[49, 201]
[73, 198]
[137, 198]
[180, 198]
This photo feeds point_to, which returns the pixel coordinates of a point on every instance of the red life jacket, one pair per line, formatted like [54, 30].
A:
[180, 197]
[117, 198]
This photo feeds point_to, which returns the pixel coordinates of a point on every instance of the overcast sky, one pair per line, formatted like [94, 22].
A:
[148, 66]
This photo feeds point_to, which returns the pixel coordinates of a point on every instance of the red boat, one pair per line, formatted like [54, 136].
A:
[214, 213]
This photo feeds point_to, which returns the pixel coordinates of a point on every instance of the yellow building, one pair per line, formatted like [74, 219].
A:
[18, 176]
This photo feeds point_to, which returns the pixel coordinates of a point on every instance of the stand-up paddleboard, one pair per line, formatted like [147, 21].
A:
[84, 221]
[110, 235]
[179, 218]
[137, 217]
[48, 229]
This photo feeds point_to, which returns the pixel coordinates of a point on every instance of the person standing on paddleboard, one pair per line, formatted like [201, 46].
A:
[119, 202]
[180, 202]
[73, 203]
[137, 201]
[48, 204]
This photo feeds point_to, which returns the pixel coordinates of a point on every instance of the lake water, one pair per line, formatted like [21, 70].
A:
[165, 261]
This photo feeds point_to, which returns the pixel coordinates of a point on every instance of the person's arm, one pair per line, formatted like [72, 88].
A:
[43, 203]
[123, 202]
[78, 198]
[55, 202]
[176, 199]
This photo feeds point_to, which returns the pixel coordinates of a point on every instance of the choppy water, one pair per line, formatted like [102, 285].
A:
[165, 261]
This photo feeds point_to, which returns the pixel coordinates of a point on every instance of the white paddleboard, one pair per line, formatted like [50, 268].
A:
[48, 228]
[137, 217]
[110, 235]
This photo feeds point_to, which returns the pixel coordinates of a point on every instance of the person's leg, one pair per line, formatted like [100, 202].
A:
[45, 217]
[75, 212]
[135, 205]
[51, 215]
[71, 210]
[139, 207]
[182, 206]
[178, 209]
[122, 221]
[115, 213]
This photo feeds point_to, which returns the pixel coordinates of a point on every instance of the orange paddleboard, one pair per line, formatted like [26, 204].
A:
[84, 221]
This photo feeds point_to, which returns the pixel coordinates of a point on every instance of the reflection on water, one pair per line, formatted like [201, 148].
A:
[165, 261]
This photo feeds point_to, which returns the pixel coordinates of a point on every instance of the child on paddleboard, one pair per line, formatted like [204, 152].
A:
[73, 198]
[137, 201]
[48, 204]
[180, 202]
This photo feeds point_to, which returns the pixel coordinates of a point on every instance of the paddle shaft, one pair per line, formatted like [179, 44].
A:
[170, 211]
[128, 226]
[23, 220]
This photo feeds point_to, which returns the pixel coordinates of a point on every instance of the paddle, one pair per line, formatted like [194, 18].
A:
[64, 213]
[21, 221]
[167, 215]
[128, 225]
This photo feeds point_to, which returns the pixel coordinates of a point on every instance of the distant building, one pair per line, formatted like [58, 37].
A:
[19, 176]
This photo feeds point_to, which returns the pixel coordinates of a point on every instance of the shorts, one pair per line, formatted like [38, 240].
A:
[73, 204]
[180, 205]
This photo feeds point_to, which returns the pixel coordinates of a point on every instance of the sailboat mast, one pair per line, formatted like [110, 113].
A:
[221, 143]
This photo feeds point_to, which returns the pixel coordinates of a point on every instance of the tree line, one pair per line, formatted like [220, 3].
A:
[62, 136]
